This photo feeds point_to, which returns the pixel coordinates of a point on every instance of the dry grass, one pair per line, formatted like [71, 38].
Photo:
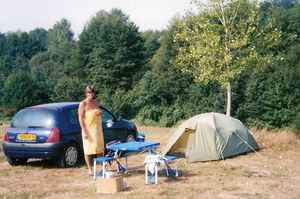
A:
[276, 139]
[21, 195]
[273, 172]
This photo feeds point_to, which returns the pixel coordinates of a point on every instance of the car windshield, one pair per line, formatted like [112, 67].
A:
[33, 118]
[106, 116]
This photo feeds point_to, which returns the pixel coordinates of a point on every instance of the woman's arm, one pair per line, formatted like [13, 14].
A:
[99, 106]
[81, 111]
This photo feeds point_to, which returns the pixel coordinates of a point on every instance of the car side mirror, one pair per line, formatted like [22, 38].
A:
[109, 123]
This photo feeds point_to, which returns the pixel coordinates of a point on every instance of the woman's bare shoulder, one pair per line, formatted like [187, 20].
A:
[82, 103]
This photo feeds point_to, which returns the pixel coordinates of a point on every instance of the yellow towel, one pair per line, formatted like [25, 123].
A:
[94, 144]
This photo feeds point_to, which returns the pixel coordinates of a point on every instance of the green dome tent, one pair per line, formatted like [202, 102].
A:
[210, 136]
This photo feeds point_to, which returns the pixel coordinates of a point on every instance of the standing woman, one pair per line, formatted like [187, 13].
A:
[91, 126]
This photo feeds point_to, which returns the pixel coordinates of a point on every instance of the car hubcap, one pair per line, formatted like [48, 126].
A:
[71, 156]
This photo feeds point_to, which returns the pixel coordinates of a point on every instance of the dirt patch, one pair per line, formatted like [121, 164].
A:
[272, 172]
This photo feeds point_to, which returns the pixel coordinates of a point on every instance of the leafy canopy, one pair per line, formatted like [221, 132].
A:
[112, 50]
[216, 45]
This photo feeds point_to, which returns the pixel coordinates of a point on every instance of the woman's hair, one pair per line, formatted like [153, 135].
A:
[90, 88]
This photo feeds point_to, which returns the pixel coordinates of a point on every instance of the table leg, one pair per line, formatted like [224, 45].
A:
[118, 169]
[103, 169]
[126, 165]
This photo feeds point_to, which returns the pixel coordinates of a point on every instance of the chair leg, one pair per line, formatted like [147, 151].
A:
[146, 174]
[156, 174]
[94, 169]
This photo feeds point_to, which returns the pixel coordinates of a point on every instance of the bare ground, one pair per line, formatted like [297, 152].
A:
[272, 172]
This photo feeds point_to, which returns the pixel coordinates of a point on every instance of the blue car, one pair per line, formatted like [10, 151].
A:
[52, 131]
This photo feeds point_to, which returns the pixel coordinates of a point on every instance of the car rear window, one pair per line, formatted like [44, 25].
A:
[33, 118]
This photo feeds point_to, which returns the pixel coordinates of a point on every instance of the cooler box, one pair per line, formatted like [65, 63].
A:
[109, 185]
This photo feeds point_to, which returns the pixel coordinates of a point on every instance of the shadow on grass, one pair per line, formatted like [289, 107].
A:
[183, 175]
[47, 164]
[21, 195]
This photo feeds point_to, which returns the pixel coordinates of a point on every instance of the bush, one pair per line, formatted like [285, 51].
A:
[21, 90]
[295, 124]
[271, 98]
[68, 89]
[171, 115]
[120, 102]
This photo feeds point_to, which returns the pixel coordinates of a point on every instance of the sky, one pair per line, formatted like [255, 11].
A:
[26, 15]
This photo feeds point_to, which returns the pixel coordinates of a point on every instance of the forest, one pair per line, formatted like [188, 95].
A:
[242, 60]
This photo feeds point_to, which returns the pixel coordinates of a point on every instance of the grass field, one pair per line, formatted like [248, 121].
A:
[272, 172]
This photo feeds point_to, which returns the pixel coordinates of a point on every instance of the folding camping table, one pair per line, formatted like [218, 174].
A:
[124, 150]
[129, 148]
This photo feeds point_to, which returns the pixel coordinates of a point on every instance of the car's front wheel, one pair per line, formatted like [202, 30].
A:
[16, 161]
[70, 156]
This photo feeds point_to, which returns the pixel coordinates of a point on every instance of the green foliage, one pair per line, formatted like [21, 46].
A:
[165, 95]
[16, 49]
[21, 90]
[152, 42]
[59, 63]
[68, 89]
[160, 78]
[5, 63]
[269, 102]
[216, 44]
[60, 38]
[160, 87]
[119, 101]
[275, 91]
[39, 38]
[113, 50]
[296, 122]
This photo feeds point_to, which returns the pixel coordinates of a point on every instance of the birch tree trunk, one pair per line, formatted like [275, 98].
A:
[228, 108]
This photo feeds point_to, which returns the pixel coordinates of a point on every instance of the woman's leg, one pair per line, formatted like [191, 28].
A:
[88, 161]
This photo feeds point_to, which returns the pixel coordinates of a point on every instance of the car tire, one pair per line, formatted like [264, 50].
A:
[16, 161]
[70, 156]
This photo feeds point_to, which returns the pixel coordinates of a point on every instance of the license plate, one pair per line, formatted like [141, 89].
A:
[27, 137]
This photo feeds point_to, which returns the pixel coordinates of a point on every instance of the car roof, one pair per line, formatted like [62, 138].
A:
[56, 106]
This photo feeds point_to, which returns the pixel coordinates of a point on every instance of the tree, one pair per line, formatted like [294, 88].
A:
[39, 40]
[56, 61]
[68, 89]
[152, 42]
[60, 37]
[112, 51]
[21, 89]
[217, 44]
[272, 97]
[163, 85]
